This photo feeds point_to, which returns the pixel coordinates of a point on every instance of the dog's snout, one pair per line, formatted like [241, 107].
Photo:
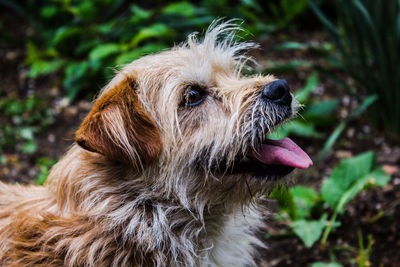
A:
[277, 92]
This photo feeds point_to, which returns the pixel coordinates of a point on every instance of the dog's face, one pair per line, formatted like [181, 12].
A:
[190, 121]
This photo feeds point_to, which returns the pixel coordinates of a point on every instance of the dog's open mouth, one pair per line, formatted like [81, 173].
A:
[273, 159]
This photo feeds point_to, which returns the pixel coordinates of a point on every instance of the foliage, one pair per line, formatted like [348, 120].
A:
[312, 114]
[85, 40]
[44, 164]
[367, 40]
[285, 11]
[339, 128]
[317, 114]
[322, 264]
[364, 253]
[23, 119]
[308, 210]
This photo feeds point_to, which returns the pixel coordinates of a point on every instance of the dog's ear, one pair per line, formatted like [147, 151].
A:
[119, 128]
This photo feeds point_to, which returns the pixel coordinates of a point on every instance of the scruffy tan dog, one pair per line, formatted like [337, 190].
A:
[167, 168]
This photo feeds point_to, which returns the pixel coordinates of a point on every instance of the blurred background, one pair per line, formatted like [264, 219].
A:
[341, 58]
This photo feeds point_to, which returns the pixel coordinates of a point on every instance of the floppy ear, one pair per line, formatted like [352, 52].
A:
[119, 128]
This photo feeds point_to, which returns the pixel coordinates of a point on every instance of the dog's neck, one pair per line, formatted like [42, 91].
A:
[126, 204]
[91, 179]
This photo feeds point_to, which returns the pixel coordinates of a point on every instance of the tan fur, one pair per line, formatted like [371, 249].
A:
[137, 189]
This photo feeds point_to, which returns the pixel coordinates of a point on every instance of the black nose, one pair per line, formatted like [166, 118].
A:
[277, 92]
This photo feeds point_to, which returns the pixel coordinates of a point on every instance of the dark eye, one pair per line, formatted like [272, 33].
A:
[193, 96]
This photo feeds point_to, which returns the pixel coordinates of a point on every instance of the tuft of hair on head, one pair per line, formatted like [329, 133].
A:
[222, 38]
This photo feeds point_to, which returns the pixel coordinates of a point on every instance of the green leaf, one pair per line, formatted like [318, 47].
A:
[85, 47]
[41, 67]
[49, 11]
[339, 129]
[32, 53]
[183, 8]
[333, 30]
[275, 67]
[332, 140]
[311, 85]
[31, 103]
[2, 159]
[367, 101]
[331, 192]
[352, 168]
[27, 133]
[138, 52]
[103, 51]
[378, 177]
[285, 201]
[348, 170]
[44, 164]
[139, 13]
[344, 175]
[87, 11]
[350, 193]
[289, 46]
[155, 30]
[64, 35]
[323, 264]
[308, 231]
[29, 147]
[74, 73]
[12, 107]
[321, 109]
[296, 127]
[304, 199]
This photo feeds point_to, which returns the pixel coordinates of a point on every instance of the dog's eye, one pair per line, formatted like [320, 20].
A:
[193, 96]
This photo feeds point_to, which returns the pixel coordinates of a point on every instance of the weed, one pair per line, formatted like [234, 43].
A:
[84, 40]
[44, 164]
[316, 114]
[285, 11]
[323, 264]
[364, 253]
[314, 215]
[312, 114]
[367, 44]
[21, 121]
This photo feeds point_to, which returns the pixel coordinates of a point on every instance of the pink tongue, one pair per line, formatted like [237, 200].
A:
[284, 152]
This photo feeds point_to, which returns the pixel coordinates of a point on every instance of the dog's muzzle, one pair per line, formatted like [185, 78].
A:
[272, 159]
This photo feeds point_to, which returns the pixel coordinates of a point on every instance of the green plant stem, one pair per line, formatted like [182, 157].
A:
[362, 259]
[369, 247]
[368, 101]
[328, 229]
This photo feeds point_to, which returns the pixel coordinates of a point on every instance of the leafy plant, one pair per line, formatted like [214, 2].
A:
[21, 121]
[73, 38]
[44, 164]
[285, 11]
[323, 264]
[311, 115]
[84, 40]
[368, 43]
[307, 209]
[318, 114]
[364, 253]
[368, 101]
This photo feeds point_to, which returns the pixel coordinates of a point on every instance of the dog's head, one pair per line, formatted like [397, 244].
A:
[190, 120]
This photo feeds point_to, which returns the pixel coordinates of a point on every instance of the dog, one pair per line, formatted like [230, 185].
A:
[167, 169]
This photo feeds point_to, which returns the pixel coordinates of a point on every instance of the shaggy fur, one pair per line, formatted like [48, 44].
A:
[148, 182]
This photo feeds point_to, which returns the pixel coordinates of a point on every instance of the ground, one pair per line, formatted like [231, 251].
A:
[375, 212]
